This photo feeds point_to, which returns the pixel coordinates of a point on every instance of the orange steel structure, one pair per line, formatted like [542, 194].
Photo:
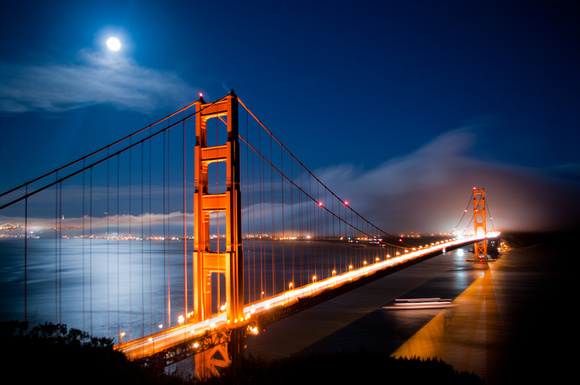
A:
[479, 224]
[205, 261]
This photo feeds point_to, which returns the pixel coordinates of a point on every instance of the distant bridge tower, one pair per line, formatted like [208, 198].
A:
[479, 224]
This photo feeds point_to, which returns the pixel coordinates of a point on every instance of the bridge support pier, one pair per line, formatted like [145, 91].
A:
[210, 362]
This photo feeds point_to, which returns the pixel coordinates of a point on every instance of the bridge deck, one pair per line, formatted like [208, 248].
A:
[169, 338]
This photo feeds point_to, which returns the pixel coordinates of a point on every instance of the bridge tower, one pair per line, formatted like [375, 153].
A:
[207, 262]
[479, 224]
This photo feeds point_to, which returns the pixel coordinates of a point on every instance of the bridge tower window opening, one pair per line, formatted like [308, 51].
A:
[217, 172]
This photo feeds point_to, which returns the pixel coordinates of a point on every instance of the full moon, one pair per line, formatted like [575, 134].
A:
[114, 44]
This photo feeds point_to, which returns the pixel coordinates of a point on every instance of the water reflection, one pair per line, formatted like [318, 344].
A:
[462, 334]
[108, 287]
[103, 287]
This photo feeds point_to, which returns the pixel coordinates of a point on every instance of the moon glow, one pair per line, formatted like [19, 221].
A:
[113, 44]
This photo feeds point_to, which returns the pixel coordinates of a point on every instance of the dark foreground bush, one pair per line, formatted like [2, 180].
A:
[356, 368]
[52, 353]
[55, 354]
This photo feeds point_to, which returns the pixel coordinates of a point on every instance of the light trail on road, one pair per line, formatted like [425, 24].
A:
[163, 340]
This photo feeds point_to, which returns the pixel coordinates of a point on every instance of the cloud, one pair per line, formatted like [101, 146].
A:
[423, 192]
[99, 225]
[96, 79]
[427, 190]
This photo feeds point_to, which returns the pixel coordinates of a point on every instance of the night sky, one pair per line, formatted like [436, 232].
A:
[400, 107]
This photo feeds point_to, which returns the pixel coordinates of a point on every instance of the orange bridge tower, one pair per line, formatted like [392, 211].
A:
[479, 224]
[208, 263]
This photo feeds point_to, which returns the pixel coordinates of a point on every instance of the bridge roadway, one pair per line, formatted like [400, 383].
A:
[167, 339]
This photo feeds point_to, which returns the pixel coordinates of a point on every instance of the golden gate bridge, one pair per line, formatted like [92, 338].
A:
[182, 237]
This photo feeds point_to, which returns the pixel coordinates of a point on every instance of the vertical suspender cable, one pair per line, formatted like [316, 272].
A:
[319, 256]
[26, 256]
[333, 241]
[83, 246]
[164, 234]
[255, 239]
[308, 226]
[185, 216]
[273, 223]
[261, 178]
[283, 222]
[91, 250]
[142, 239]
[118, 247]
[150, 239]
[56, 232]
[108, 243]
[169, 225]
[166, 227]
[262, 220]
[60, 256]
[301, 230]
[247, 196]
[292, 217]
[325, 250]
[130, 240]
